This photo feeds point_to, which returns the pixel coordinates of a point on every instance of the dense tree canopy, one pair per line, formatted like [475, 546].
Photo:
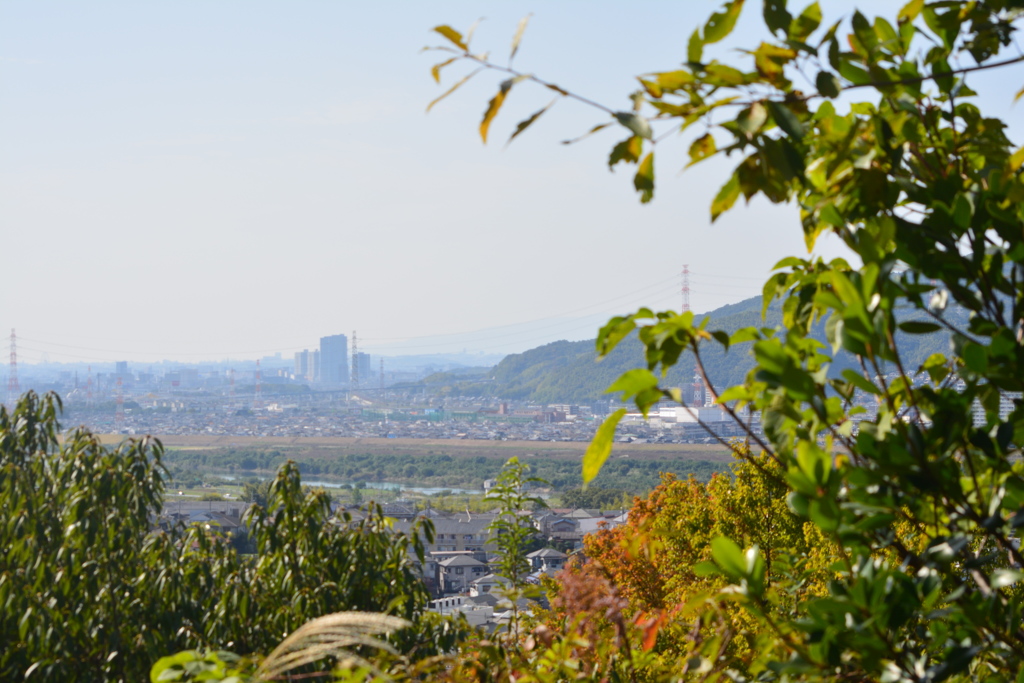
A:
[660, 560]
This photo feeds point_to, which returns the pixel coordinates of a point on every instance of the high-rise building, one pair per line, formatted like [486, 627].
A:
[314, 366]
[361, 362]
[334, 359]
[302, 364]
[121, 368]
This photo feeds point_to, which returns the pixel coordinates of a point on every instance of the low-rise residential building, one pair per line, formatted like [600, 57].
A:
[547, 560]
[462, 533]
[491, 584]
[476, 613]
[458, 572]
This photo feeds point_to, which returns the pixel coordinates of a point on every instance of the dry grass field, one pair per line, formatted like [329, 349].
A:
[302, 447]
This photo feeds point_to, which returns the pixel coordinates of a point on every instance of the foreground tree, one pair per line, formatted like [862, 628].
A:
[655, 559]
[93, 588]
[513, 532]
[881, 144]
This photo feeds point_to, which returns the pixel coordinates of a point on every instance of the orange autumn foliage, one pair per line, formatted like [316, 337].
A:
[651, 559]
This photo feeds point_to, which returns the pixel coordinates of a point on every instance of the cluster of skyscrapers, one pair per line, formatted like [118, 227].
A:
[330, 363]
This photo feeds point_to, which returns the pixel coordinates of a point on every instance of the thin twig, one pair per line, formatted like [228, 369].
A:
[728, 409]
[530, 77]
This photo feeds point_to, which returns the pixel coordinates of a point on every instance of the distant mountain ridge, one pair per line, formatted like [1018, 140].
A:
[570, 372]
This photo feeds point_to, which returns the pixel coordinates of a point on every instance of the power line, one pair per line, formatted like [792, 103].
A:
[719, 276]
[605, 304]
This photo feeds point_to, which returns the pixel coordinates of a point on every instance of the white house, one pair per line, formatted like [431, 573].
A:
[547, 560]
[458, 572]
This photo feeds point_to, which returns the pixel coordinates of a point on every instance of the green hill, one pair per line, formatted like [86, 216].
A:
[565, 371]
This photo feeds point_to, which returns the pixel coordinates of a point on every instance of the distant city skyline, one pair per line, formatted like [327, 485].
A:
[493, 342]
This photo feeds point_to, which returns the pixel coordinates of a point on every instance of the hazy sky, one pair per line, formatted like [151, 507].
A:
[209, 179]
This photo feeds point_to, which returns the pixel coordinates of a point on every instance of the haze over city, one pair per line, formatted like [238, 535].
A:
[198, 181]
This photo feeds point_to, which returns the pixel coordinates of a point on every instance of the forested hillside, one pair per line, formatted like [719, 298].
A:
[566, 371]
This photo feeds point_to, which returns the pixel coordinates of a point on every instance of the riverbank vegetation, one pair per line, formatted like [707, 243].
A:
[430, 470]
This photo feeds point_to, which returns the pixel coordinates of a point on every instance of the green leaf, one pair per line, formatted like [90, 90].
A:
[825, 513]
[771, 61]
[643, 181]
[695, 47]
[864, 34]
[601, 446]
[671, 81]
[853, 73]
[674, 80]
[776, 17]
[887, 35]
[815, 462]
[633, 382]
[702, 148]
[859, 381]
[831, 215]
[614, 331]
[786, 119]
[706, 569]
[726, 197]
[936, 366]
[827, 84]
[720, 24]
[1016, 160]
[962, 211]
[744, 335]
[752, 118]
[452, 35]
[755, 569]
[844, 289]
[834, 55]
[975, 358]
[527, 122]
[910, 11]
[805, 24]
[919, 327]
[518, 37]
[635, 123]
[627, 151]
[172, 668]
[729, 557]
[722, 75]
[798, 504]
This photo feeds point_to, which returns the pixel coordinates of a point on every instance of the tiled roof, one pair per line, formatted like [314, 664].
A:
[462, 561]
[491, 578]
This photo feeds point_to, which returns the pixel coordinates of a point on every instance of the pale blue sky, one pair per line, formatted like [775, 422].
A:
[234, 178]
